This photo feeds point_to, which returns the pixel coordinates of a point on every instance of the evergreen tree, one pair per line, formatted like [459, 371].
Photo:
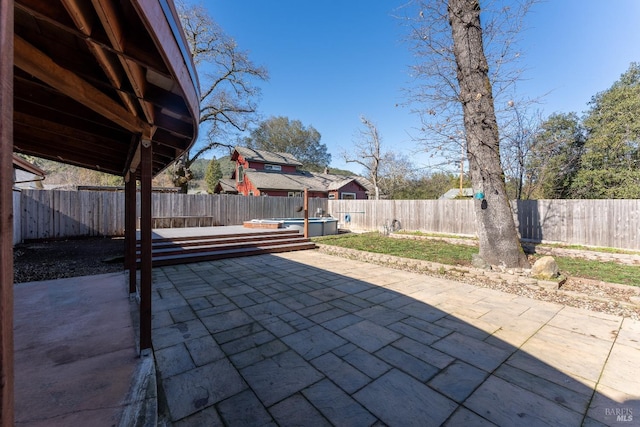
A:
[611, 162]
[557, 153]
[213, 175]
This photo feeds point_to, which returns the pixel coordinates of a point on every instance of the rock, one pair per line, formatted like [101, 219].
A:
[548, 284]
[478, 262]
[545, 268]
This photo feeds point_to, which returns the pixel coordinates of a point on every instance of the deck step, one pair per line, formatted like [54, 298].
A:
[264, 234]
[214, 245]
[189, 257]
[182, 250]
[159, 244]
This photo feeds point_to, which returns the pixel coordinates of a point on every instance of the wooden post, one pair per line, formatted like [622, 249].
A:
[306, 213]
[145, 247]
[461, 169]
[6, 214]
[130, 230]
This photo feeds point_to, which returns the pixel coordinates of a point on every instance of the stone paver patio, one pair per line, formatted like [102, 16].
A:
[309, 339]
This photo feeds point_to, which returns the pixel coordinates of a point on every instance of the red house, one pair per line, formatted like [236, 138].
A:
[264, 173]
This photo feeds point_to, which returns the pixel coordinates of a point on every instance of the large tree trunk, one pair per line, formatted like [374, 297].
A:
[499, 241]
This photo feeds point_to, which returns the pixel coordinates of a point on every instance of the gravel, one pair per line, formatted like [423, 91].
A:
[47, 260]
[610, 298]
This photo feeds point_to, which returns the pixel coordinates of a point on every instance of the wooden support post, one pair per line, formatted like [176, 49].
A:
[306, 213]
[145, 247]
[130, 231]
[6, 214]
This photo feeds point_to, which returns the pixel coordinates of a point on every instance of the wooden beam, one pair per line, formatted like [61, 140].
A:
[112, 24]
[6, 214]
[146, 163]
[33, 61]
[79, 11]
[55, 131]
[140, 55]
[112, 74]
[135, 161]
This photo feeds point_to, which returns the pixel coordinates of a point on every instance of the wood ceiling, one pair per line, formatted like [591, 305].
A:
[93, 78]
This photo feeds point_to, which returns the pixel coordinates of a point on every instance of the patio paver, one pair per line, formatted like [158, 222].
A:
[305, 338]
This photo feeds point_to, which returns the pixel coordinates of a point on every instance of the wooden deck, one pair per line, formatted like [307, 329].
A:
[171, 246]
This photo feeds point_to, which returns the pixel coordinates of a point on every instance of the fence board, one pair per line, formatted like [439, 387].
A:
[610, 223]
[607, 223]
[60, 214]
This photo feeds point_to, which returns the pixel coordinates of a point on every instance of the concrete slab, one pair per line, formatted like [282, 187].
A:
[75, 353]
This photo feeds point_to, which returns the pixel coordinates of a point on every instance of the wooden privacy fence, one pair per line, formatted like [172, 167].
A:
[60, 214]
[52, 214]
[606, 223]
[442, 216]
[49, 214]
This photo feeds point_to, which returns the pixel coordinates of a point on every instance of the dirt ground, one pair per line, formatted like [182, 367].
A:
[67, 258]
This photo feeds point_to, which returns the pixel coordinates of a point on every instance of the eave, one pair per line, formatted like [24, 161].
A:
[92, 80]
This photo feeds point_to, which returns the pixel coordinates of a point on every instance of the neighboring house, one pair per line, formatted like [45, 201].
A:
[264, 173]
[467, 193]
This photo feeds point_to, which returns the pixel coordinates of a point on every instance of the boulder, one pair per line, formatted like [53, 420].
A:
[478, 262]
[545, 268]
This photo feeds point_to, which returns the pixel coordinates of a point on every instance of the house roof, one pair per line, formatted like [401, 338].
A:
[267, 180]
[263, 156]
[25, 166]
[228, 185]
[455, 192]
[282, 181]
[92, 80]
[277, 180]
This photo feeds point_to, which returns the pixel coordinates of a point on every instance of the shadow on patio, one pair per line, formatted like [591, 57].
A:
[310, 339]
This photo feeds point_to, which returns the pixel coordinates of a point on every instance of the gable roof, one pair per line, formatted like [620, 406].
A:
[298, 181]
[455, 192]
[267, 180]
[227, 185]
[282, 181]
[263, 156]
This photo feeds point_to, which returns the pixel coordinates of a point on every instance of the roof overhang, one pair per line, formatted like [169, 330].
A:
[22, 164]
[93, 79]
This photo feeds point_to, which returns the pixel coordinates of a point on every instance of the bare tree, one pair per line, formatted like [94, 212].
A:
[459, 83]
[436, 93]
[367, 152]
[228, 95]
[517, 148]
[497, 232]
[395, 174]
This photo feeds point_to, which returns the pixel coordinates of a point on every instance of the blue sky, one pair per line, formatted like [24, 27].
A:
[331, 61]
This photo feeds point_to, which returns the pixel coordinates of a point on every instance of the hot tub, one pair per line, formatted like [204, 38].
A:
[317, 226]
